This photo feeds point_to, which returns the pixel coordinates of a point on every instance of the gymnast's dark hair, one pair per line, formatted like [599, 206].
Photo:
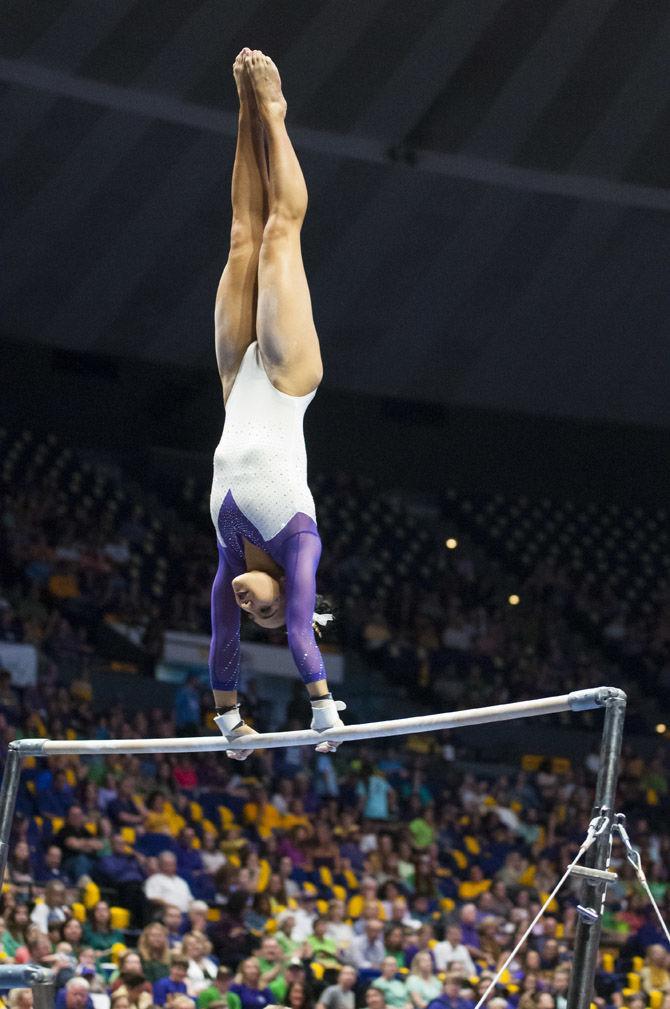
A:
[322, 604]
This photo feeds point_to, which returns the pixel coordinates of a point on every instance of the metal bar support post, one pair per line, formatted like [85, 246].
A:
[9, 790]
[587, 935]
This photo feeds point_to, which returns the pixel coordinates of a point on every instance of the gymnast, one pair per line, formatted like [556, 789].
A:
[269, 361]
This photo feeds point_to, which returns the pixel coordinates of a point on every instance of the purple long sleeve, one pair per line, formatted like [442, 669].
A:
[301, 559]
[224, 649]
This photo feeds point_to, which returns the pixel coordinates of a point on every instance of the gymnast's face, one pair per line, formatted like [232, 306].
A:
[261, 596]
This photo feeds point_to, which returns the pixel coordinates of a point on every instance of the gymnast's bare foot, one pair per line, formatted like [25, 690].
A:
[266, 82]
[245, 89]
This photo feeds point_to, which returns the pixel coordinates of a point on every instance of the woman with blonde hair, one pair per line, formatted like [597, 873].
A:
[154, 950]
[195, 946]
[422, 984]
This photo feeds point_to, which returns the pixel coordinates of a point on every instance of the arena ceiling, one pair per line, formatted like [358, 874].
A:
[489, 218]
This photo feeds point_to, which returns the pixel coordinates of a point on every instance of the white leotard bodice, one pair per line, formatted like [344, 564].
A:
[261, 458]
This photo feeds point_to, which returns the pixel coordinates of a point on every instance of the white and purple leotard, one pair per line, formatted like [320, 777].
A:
[260, 493]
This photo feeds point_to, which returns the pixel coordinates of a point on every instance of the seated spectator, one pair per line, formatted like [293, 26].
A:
[298, 996]
[394, 944]
[374, 998]
[654, 976]
[249, 990]
[154, 950]
[271, 962]
[20, 998]
[322, 949]
[20, 871]
[75, 994]
[14, 935]
[51, 867]
[422, 984]
[218, 991]
[392, 987]
[132, 983]
[338, 928]
[165, 886]
[197, 917]
[229, 935]
[72, 932]
[367, 950]
[78, 843]
[450, 996]
[340, 995]
[159, 818]
[451, 949]
[98, 931]
[304, 917]
[174, 983]
[212, 857]
[124, 871]
[124, 810]
[201, 970]
[173, 920]
[53, 908]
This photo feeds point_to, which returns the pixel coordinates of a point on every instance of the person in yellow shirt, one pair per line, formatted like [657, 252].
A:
[261, 814]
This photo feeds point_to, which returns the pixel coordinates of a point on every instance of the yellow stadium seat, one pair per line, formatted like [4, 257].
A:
[195, 811]
[322, 907]
[129, 834]
[655, 999]
[271, 926]
[472, 844]
[213, 914]
[633, 982]
[561, 765]
[326, 876]
[638, 963]
[56, 823]
[30, 785]
[91, 894]
[608, 963]
[339, 892]
[531, 761]
[120, 917]
[309, 887]
[318, 971]
[352, 882]
[459, 858]
[447, 904]
[118, 949]
[226, 816]
[79, 911]
[209, 827]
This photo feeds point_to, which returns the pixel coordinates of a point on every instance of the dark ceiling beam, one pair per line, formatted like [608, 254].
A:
[65, 46]
[632, 114]
[424, 72]
[524, 96]
[148, 106]
[321, 46]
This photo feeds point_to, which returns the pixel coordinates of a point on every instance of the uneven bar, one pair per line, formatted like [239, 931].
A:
[578, 700]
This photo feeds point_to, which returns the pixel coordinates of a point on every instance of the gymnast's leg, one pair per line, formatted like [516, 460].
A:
[285, 328]
[235, 312]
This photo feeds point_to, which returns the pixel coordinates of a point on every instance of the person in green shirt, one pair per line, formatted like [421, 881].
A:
[271, 961]
[323, 949]
[392, 988]
[285, 925]
[98, 932]
[218, 992]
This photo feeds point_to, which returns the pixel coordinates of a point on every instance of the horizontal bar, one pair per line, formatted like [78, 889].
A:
[578, 700]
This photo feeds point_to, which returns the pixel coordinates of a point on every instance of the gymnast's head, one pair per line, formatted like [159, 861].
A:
[262, 597]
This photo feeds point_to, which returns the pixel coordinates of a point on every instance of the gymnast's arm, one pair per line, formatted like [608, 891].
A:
[301, 559]
[224, 650]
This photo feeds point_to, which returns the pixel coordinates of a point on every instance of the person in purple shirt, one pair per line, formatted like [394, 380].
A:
[174, 983]
[249, 992]
[269, 363]
[124, 870]
[451, 997]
